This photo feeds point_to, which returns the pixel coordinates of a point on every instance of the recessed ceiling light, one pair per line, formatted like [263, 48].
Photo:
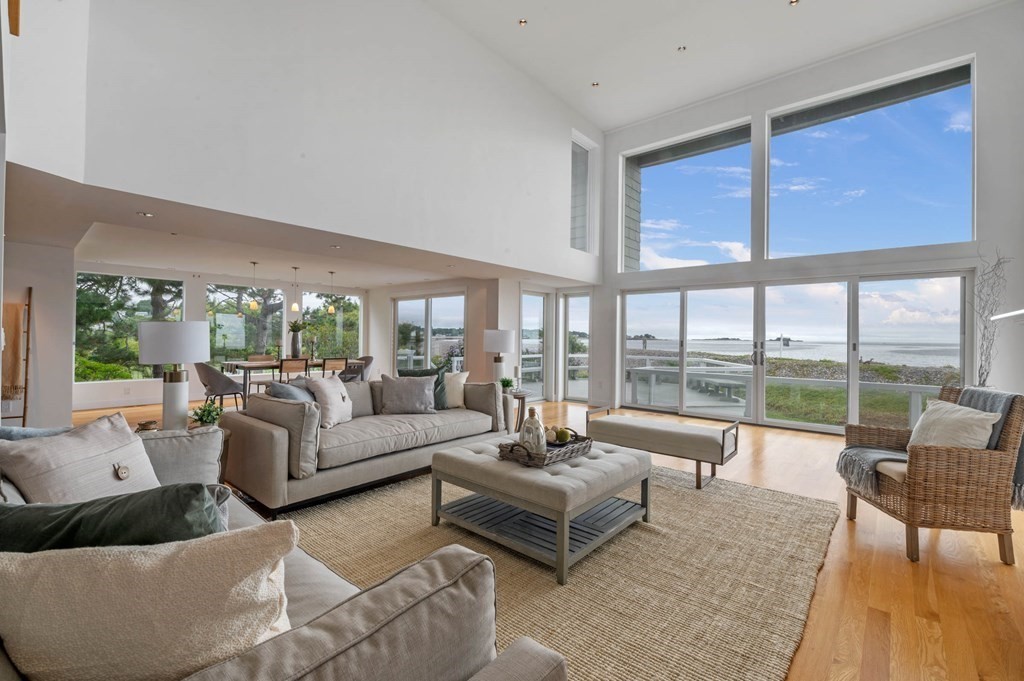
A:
[792, 3]
[174, 234]
[451, 267]
[335, 246]
[522, 22]
[595, 84]
[681, 48]
[144, 214]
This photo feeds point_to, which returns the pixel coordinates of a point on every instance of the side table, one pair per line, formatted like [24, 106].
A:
[520, 398]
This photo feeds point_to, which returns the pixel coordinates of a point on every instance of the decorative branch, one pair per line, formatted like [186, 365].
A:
[989, 289]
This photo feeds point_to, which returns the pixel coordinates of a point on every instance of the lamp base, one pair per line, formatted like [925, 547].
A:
[175, 411]
[499, 368]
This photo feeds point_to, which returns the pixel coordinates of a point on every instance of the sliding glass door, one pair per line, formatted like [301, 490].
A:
[719, 373]
[911, 342]
[577, 347]
[531, 345]
[651, 362]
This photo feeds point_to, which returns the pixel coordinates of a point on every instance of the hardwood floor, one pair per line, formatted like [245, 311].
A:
[957, 614]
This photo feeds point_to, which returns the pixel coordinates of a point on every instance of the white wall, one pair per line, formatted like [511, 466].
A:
[45, 77]
[377, 119]
[50, 271]
[993, 36]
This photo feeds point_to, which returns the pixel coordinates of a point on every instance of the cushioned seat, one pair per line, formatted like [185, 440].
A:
[560, 486]
[897, 470]
[700, 443]
[370, 436]
[312, 587]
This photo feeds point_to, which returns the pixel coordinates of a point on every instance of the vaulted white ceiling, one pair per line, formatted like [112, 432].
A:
[630, 48]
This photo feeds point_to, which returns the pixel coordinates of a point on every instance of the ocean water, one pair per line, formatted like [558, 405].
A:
[910, 354]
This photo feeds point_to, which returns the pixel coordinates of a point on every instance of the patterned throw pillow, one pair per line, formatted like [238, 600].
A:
[332, 396]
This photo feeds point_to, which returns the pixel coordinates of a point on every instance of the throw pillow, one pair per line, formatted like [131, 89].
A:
[99, 459]
[440, 396]
[331, 395]
[362, 398]
[455, 389]
[290, 391]
[185, 455]
[19, 433]
[409, 395]
[155, 516]
[144, 612]
[950, 425]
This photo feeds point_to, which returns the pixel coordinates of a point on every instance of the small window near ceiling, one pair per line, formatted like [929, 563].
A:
[882, 169]
[579, 221]
[688, 204]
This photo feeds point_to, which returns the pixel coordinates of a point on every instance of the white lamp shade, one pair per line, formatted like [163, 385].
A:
[499, 341]
[174, 342]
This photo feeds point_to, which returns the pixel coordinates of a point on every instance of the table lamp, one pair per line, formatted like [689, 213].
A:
[174, 343]
[499, 341]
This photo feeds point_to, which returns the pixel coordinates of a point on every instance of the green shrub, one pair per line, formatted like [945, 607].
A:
[90, 370]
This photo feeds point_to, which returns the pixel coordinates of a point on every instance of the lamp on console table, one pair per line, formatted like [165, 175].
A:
[499, 341]
[174, 343]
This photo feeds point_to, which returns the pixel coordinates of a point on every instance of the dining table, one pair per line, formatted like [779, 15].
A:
[247, 367]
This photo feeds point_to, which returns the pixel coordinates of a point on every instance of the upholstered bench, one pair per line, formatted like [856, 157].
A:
[702, 444]
[556, 514]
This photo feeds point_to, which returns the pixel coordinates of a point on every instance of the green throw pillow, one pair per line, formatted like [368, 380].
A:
[440, 394]
[154, 516]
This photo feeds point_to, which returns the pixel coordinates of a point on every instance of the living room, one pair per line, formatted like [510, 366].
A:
[793, 216]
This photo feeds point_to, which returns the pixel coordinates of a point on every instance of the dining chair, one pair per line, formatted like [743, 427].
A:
[262, 378]
[217, 384]
[335, 365]
[287, 367]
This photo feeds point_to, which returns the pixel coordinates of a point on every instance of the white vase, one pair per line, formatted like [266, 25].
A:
[532, 434]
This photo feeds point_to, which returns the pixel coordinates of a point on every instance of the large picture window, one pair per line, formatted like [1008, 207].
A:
[333, 321]
[430, 332]
[244, 321]
[688, 204]
[883, 169]
[108, 309]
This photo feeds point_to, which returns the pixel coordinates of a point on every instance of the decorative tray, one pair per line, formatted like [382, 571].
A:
[578, 445]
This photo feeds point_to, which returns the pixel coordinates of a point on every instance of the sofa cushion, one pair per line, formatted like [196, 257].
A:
[301, 420]
[9, 494]
[153, 516]
[331, 395]
[185, 455]
[144, 612]
[99, 459]
[362, 399]
[13, 433]
[440, 388]
[408, 395]
[488, 399]
[950, 425]
[312, 588]
[377, 395]
[371, 436]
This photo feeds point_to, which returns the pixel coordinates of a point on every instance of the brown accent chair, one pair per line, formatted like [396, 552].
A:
[334, 365]
[945, 488]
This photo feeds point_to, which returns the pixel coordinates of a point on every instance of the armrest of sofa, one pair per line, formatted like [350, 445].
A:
[487, 398]
[257, 458]
[432, 620]
[301, 420]
[525, 660]
[508, 404]
[185, 455]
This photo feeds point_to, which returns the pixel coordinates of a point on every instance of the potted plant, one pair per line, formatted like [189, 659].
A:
[208, 414]
[297, 327]
[507, 384]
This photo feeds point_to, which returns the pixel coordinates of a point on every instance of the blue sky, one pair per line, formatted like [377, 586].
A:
[897, 176]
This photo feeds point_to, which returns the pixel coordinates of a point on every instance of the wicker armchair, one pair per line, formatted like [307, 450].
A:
[945, 487]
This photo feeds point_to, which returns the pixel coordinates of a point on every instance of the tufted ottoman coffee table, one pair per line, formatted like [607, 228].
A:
[557, 514]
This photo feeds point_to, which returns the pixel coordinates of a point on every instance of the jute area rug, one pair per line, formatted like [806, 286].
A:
[717, 587]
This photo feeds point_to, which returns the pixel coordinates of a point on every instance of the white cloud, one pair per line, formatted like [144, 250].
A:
[734, 192]
[652, 260]
[855, 193]
[848, 197]
[959, 121]
[734, 249]
[819, 134]
[733, 172]
[800, 184]
[669, 225]
[779, 163]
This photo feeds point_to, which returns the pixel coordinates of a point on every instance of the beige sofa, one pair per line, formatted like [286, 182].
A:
[433, 620]
[279, 455]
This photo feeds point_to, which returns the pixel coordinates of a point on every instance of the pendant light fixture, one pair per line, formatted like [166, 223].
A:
[295, 288]
[330, 308]
[253, 305]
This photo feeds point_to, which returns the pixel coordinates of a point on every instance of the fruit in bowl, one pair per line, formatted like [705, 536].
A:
[563, 435]
[551, 435]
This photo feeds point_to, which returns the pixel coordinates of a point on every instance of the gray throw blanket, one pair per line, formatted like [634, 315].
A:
[856, 465]
[996, 402]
